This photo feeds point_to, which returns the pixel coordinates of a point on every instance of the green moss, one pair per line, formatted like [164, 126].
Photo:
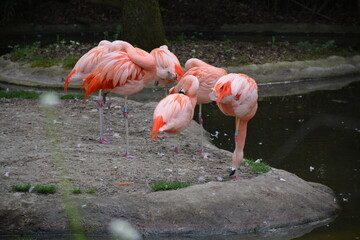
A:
[90, 191]
[167, 185]
[19, 94]
[257, 167]
[76, 191]
[69, 62]
[21, 188]
[35, 95]
[45, 189]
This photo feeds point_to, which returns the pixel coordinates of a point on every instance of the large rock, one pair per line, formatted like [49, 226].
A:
[275, 200]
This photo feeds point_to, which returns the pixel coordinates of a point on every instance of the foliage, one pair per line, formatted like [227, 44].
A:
[90, 191]
[19, 94]
[35, 95]
[76, 191]
[44, 189]
[316, 46]
[168, 185]
[257, 167]
[21, 188]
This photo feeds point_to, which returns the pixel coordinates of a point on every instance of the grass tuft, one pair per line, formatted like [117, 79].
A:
[21, 188]
[90, 191]
[167, 185]
[19, 94]
[257, 167]
[45, 189]
[35, 95]
[76, 191]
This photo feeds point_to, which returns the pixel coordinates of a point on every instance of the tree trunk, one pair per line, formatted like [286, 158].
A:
[142, 24]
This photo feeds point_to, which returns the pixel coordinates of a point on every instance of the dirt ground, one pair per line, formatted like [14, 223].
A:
[27, 155]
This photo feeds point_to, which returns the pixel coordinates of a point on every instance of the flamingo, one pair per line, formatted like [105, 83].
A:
[174, 113]
[168, 68]
[83, 68]
[122, 72]
[236, 95]
[207, 75]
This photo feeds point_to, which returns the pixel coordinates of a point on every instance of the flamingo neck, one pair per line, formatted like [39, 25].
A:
[194, 62]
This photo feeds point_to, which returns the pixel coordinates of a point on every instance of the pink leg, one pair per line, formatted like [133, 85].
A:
[102, 139]
[126, 115]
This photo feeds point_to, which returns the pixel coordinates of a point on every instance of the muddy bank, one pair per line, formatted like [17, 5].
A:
[213, 204]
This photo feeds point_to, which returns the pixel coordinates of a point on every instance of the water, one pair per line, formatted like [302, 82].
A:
[315, 136]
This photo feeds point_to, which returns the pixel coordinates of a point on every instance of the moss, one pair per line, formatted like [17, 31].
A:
[257, 167]
[21, 188]
[168, 185]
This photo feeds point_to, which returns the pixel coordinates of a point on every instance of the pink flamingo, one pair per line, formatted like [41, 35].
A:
[207, 75]
[122, 72]
[168, 68]
[86, 65]
[236, 95]
[174, 113]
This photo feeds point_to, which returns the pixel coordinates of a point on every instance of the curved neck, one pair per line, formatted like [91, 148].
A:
[194, 62]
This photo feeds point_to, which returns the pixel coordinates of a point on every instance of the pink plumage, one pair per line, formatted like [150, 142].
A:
[174, 113]
[237, 96]
[168, 66]
[87, 63]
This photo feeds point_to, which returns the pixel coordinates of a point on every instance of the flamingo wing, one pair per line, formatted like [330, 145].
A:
[115, 70]
[173, 114]
[86, 64]
[236, 94]
[167, 61]
[208, 76]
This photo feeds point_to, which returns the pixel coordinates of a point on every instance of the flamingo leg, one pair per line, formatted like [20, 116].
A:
[177, 147]
[201, 121]
[100, 103]
[108, 130]
[236, 153]
[126, 115]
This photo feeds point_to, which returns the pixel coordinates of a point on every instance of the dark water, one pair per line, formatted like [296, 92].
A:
[314, 135]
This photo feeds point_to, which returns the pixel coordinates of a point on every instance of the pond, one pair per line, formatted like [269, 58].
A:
[315, 136]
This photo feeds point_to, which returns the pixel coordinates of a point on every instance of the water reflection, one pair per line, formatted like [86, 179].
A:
[316, 136]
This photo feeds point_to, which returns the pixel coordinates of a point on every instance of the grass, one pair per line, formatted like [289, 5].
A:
[21, 188]
[90, 191]
[257, 167]
[19, 94]
[44, 189]
[168, 185]
[76, 191]
[34, 95]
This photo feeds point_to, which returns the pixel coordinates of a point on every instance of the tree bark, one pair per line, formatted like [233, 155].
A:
[142, 24]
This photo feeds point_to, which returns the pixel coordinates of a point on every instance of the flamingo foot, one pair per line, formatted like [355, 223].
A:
[236, 179]
[109, 132]
[203, 153]
[232, 172]
[176, 150]
[104, 141]
[164, 136]
[127, 155]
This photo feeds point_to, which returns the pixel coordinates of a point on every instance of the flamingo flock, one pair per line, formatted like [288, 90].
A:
[120, 68]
